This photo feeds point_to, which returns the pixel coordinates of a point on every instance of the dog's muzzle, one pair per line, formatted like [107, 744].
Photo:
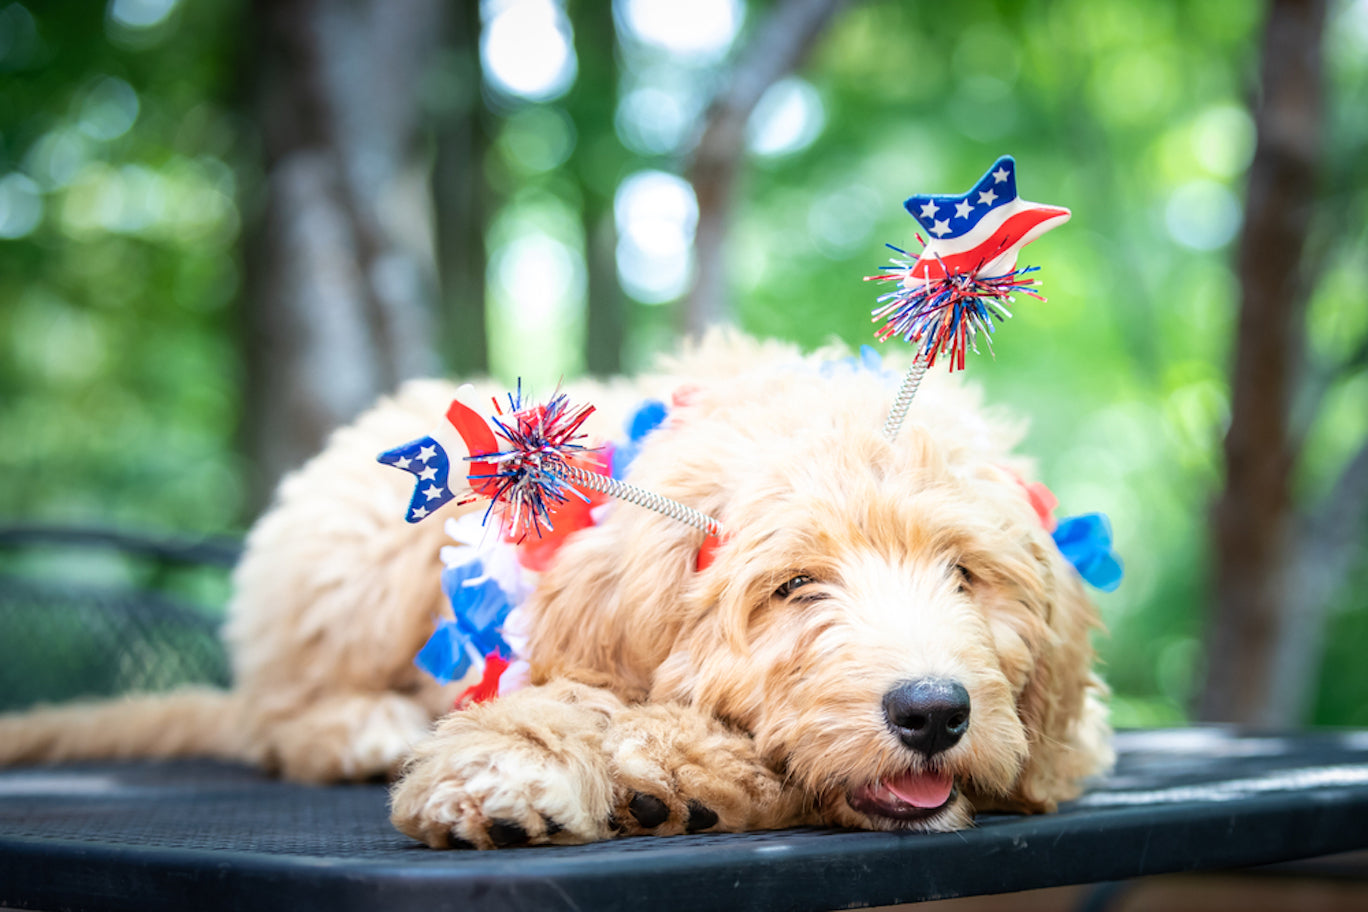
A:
[929, 716]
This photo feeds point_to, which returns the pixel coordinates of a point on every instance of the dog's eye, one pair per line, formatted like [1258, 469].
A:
[796, 582]
[965, 577]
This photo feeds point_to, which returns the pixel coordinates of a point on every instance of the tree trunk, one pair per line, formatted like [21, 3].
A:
[1252, 520]
[596, 164]
[339, 277]
[1329, 545]
[779, 46]
[462, 198]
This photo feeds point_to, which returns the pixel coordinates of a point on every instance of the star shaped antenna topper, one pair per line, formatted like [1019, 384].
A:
[980, 232]
[947, 297]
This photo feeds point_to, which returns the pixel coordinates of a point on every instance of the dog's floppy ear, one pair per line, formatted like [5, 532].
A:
[1061, 706]
[610, 609]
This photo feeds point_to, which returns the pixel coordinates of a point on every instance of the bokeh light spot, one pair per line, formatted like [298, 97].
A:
[109, 110]
[656, 215]
[537, 138]
[536, 272]
[787, 119]
[57, 157]
[140, 14]
[652, 121]
[527, 49]
[21, 206]
[1202, 215]
[1223, 140]
[700, 29]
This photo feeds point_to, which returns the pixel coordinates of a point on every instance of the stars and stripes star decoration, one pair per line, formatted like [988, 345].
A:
[518, 459]
[428, 461]
[526, 461]
[947, 297]
[430, 458]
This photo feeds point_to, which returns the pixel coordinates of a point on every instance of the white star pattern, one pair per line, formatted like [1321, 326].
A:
[980, 233]
[425, 459]
[929, 209]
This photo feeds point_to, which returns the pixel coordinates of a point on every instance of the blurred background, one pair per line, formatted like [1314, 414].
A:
[226, 227]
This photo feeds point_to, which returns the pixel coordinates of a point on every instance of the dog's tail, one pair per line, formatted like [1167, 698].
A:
[191, 722]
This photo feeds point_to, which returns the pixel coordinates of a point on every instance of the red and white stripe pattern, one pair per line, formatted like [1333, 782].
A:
[981, 232]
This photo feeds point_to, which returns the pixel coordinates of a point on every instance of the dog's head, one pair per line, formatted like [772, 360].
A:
[889, 621]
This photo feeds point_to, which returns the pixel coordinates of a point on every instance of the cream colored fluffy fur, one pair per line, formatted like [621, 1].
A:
[710, 696]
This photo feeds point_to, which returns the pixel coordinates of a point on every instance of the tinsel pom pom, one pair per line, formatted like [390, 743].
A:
[527, 475]
[945, 315]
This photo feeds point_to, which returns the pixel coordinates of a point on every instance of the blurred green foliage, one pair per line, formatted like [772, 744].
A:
[120, 375]
[120, 382]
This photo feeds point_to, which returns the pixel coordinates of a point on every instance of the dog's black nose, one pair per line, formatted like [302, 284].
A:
[930, 715]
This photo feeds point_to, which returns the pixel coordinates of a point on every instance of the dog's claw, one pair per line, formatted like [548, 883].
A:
[506, 833]
[700, 817]
[649, 810]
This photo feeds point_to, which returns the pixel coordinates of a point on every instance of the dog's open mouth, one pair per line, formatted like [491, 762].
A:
[908, 797]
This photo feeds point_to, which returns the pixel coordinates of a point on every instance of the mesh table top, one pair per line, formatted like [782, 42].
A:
[207, 836]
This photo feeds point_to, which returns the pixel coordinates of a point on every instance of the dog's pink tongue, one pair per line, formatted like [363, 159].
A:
[923, 790]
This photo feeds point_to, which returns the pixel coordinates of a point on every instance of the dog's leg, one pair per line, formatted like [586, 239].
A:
[354, 736]
[567, 763]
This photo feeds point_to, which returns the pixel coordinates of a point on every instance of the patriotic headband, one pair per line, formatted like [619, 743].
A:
[529, 462]
[965, 276]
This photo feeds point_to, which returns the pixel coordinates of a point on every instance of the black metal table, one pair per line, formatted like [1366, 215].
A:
[197, 835]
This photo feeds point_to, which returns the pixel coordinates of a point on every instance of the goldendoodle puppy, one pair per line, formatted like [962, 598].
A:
[887, 637]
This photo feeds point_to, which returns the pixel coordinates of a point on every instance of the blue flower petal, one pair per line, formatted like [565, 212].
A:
[1104, 571]
[650, 415]
[480, 606]
[444, 656]
[480, 603]
[868, 359]
[1086, 542]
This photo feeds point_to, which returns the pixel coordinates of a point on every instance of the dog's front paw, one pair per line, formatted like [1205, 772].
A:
[513, 795]
[676, 770]
[528, 768]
